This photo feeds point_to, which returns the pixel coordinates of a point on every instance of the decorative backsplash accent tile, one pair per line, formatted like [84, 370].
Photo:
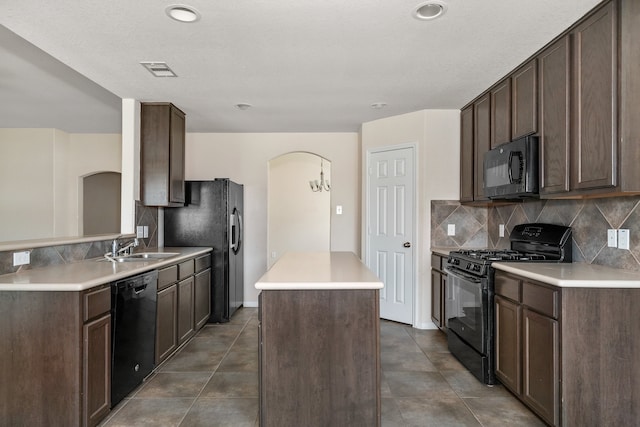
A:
[588, 218]
[61, 254]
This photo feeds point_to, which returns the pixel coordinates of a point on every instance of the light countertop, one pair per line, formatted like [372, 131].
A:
[442, 251]
[574, 275]
[82, 275]
[318, 271]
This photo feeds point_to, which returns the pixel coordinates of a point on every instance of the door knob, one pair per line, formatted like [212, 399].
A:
[407, 244]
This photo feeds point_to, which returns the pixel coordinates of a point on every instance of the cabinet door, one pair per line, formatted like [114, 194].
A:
[524, 100]
[501, 113]
[507, 342]
[466, 154]
[481, 139]
[186, 325]
[555, 77]
[541, 382]
[436, 298]
[176, 165]
[594, 139]
[166, 323]
[96, 399]
[202, 297]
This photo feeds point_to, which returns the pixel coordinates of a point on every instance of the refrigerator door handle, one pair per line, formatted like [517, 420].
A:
[235, 224]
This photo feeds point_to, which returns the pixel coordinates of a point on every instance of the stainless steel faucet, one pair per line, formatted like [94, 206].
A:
[116, 250]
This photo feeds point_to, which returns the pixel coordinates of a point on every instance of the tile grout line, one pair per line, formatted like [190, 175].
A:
[213, 372]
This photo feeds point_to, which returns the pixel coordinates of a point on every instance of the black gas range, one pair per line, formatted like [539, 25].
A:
[470, 290]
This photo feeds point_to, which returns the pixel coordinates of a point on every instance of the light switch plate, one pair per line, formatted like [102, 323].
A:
[612, 238]
[339, 210]
[139, 232]
[451, 229]
[145, 231]
[623, 238]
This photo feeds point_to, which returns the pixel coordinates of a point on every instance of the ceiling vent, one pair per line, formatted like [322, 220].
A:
[159, 69]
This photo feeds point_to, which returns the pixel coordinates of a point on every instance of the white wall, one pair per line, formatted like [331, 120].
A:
[436, 133]
[39, 174]
[244, 158]
[26, 183]
[88, 154]
[298, 218]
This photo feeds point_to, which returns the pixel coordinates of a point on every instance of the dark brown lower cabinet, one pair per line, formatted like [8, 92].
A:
[166, 323]
[540, 358]
[508, 357]
[577, 350]
[186, 326]
[55, 369]
[319, 358]
[438, 291]
[202, 297]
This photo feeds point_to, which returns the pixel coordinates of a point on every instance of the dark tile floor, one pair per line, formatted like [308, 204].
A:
[213, 381]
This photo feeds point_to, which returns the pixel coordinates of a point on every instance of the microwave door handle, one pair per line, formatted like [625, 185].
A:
[513, 154]
[509, 169]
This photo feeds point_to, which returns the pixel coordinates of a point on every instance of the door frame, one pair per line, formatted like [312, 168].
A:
[414, 214]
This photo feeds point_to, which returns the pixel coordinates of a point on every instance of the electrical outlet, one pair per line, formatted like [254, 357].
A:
[623, 238]
[21, 258]
[139, 232]
[274, 255]
[451, 229]
[612, 238]
[145, 231]
[501, 230]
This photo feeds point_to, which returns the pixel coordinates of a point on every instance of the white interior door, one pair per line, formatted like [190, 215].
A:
[390, 220]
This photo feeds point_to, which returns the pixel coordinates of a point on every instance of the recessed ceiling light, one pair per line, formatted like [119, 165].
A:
[243, 106]
[159, 69]
[430, 10]
[378, 105]
[182, 13]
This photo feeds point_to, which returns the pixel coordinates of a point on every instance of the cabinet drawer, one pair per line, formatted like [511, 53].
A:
[436, 262]
[96, 303]
[507, 286]
[203, 262]
[540, 298]
[167, 276]
[185, 269]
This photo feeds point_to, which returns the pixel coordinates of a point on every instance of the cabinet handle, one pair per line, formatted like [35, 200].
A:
[407, 244]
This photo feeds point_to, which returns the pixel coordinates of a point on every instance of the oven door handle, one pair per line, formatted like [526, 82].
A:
[464, 276]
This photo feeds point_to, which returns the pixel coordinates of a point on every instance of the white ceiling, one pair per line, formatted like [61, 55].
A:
[304, 65]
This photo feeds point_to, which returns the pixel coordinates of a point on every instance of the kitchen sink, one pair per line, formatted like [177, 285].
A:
[151, 255]
[141, 257]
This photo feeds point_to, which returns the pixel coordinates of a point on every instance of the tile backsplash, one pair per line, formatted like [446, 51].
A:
[62, 254]
[588, 218]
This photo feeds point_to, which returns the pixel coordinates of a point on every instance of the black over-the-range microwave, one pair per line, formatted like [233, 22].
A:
[511, 169]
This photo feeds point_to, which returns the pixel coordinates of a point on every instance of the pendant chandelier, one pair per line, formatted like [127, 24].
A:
[321, 185]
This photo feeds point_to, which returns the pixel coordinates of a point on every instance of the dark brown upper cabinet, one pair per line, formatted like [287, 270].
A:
[501, 113]
[554, 65]
[481, 141]
[466, 155]
[524, 100]
[162, 139]
[594, 118]
[581, 95]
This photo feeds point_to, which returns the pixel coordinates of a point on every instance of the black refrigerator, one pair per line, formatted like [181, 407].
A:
[212, 216]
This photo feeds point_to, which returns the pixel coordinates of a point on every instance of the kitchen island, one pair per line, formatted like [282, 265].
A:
[319, 332]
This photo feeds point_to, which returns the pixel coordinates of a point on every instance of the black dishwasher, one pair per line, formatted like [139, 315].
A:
[133, 332]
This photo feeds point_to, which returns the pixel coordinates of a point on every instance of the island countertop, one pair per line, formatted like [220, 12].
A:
[318, 271]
